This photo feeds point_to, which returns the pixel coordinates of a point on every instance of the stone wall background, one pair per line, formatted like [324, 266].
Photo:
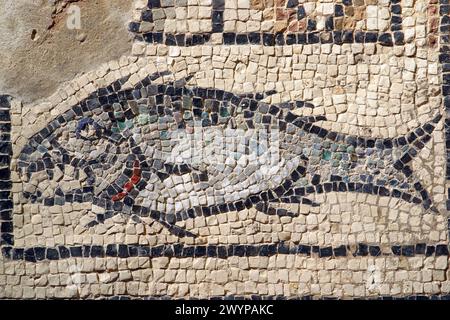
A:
[39, 52]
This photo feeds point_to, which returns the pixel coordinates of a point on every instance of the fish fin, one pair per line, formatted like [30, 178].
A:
[312, 119]
[296, 199]
[258, 96]
[182, 82]
[427, 201]
[177, 231]
[292, 105]
[99, 219]
[91, 224]
[301, 121]
[150, 78]
[118, 84]
[264, 207]
[434, 209]
[417, 139]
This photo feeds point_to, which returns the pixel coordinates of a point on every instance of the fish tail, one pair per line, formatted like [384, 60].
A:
[416, 139]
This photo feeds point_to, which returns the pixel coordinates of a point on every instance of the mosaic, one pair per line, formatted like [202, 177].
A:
[245, 149]
[270, 22]
[129, 132]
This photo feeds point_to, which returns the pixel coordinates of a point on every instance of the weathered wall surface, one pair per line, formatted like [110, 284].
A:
[233, 148]
[39, 51]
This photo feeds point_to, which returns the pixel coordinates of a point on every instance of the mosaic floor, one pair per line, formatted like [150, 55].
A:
[250, 149]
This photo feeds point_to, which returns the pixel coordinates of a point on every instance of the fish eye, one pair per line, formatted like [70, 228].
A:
[88, 129]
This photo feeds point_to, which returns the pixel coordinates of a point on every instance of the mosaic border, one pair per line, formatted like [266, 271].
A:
[329, 35]
[35, 254]
[6, 204]
[444, 59]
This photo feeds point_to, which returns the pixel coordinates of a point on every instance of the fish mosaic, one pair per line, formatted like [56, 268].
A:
[131, 151]
[295, 150]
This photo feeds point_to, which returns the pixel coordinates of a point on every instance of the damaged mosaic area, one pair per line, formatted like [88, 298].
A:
[246, 148]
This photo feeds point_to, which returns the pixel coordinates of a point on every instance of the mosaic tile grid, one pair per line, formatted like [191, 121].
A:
[361, 186]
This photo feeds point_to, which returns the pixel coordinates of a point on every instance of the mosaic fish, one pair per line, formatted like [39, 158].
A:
[134, 151]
